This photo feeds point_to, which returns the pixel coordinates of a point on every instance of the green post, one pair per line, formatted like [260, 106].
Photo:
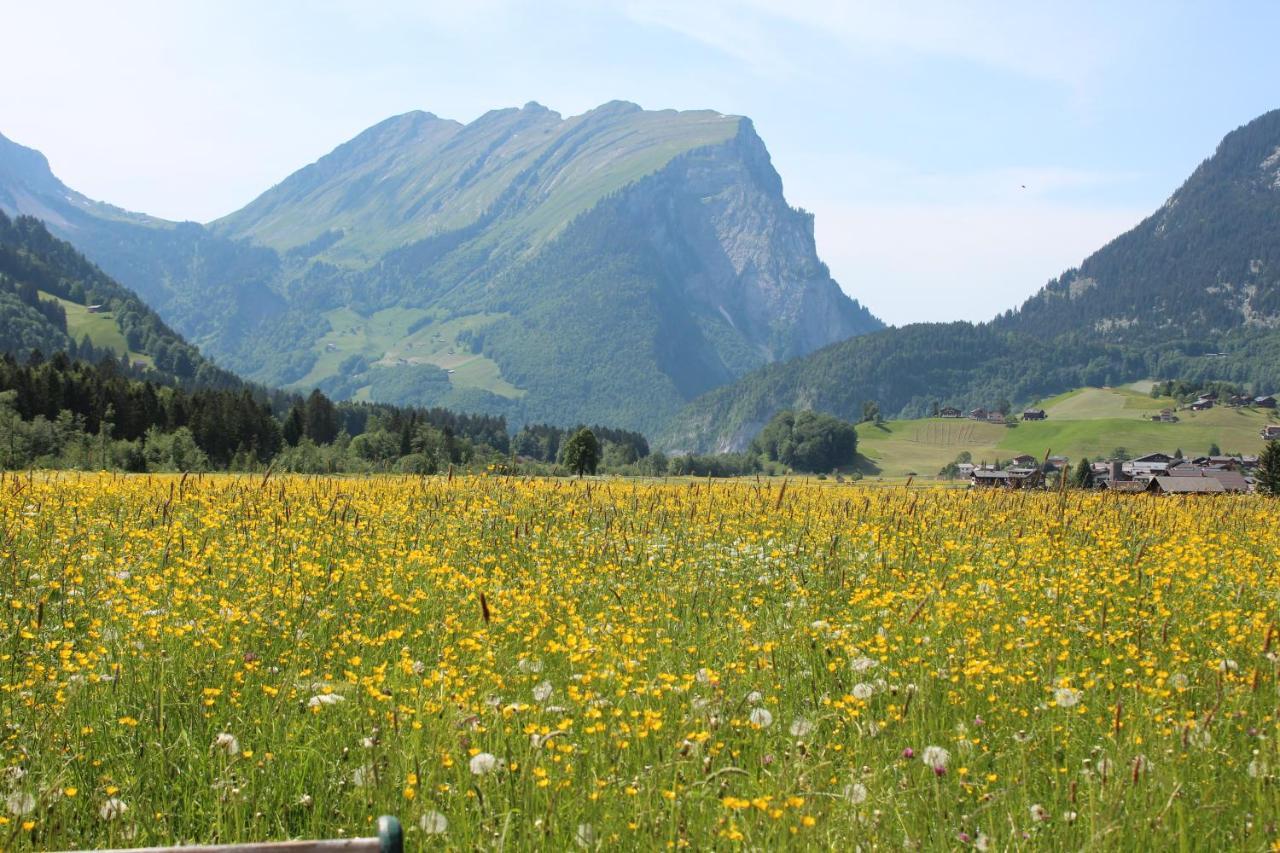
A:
[390, 835]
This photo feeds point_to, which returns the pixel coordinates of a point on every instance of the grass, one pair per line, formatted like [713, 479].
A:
[551, 664]
[1087, 422]
[384, 338]
[101, 328]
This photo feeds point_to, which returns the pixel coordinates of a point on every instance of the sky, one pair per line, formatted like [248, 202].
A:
[956, 155]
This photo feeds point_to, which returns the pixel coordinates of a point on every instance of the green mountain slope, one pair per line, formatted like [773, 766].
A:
[605, 267]
[52, 299]
[1192, 292]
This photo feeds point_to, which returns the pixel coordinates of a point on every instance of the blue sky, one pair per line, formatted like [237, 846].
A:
[908, 128]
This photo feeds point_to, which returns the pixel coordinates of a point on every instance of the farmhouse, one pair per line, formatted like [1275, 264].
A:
[1152, 463]
[978, 414]
[1166, 416]
[995, 418]
[1023, 460]
[1271, 432]
[1201, 405]
[1185, 486]
[1267, 402]
[97, 309]
[1013, 478]
[949, 412]
[1034, 415]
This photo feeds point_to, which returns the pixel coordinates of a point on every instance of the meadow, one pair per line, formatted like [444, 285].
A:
[561, 664]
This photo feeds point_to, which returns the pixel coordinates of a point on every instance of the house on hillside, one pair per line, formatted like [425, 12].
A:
[1270, 432]
[1185, 486]
[1166, 416]
[1023, 460]
[949, 412]
[995, 418]
[97, 309]
[978, 414]
[1267, 402]
[1131, 487]
[1203, 404]
[1034, 415]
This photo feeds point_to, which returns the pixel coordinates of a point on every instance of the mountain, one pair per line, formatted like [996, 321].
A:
[1192, 292]
[607, 267]
[52, 299]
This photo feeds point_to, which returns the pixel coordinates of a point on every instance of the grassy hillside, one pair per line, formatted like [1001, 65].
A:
[101, 328]
[1087, 422]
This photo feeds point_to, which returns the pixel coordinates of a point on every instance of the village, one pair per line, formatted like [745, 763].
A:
[1155, 472]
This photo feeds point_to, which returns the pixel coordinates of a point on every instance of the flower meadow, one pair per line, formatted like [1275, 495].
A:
[559, 664]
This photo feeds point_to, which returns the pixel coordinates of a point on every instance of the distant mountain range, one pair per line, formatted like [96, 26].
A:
[607, 267]
[1192, 292]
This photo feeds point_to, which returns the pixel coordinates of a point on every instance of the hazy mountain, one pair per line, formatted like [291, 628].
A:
[1191, 292]
[605, 267]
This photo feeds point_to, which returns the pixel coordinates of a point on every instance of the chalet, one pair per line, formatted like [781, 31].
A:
[1023, 460]
[1185, 486]
[1238, 400]
[1270, 432]
[1166, 416]
[1201, 405]
[1059, 463]
[1267, 402]
[1034, 415]
[995, 418]
[1125, 486]
[97, 309]
[1012, 478]
[978, 414]
[965, 469]
[949, 412]
[1152, 463]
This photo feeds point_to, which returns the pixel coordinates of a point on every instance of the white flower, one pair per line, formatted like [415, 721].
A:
[362, 776]
[482, 763]
[543, 691]
[226, 743]
[800, 727]
[761, 717]
[419, 667]
[529, 665]
[112, 809]
[1105, 766]
[863, 691]
[1178, 680]
[855, 793]
[1066, 697]
[819, 625]
[862, 664]
[1021, 736]
[585, 837]
[1228, 665]
[935, 757]
[325, 699]
[1142, 764]
[20, 803]
[703, 675]
[306, 801]
[368, 742]
[1039, 812]
[12, 775]
[1257, 769]
[1070, 817]
[433, 823]
[755, 697]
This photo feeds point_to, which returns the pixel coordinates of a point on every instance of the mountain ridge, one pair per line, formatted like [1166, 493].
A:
[425, 227]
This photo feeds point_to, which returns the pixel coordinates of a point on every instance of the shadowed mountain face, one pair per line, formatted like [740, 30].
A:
[606, 267]
[1193, 292]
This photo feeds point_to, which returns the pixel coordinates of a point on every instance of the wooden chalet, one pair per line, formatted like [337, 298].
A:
[949, 412]
[1185, 486]
[1034, 415]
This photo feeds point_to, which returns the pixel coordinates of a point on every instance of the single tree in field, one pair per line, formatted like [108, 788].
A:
[1083, 478]
[1269, 469]
[1215, 450]
[581, 453]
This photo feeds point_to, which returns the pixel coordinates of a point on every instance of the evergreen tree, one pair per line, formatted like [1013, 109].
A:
[1269, 469]
[321, 418]
[1083, 478]
[295, 426]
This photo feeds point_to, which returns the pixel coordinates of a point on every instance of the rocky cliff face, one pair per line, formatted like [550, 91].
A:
[606, 267]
